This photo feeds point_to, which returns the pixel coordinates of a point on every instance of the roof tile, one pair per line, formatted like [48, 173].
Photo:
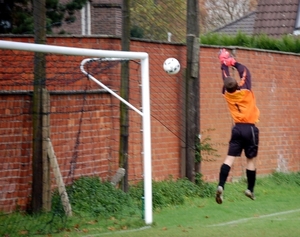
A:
[276, 18]
[272, 17]
[244, 24]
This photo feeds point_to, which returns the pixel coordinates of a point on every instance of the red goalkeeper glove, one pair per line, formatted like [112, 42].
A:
[229, 61]
[226, 58]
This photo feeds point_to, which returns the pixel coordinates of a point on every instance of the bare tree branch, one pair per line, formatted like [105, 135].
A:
[217, 13]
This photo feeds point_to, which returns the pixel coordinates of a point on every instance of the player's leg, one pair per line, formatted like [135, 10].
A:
[251, 177]
[235, 149]
[225, 169]
[224, 172]
[251, 151]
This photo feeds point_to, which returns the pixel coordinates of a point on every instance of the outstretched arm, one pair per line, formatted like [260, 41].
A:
[245, 76]
[227, 60]
[225, 71]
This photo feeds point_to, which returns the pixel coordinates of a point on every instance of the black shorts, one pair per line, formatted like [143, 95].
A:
[244, 136]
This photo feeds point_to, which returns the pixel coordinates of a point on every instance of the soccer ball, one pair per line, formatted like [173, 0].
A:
[171, 66]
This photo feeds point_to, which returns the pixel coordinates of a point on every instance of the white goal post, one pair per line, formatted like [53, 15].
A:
[145, 113]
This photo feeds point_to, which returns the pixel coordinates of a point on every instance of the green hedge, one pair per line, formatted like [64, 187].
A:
[287, 43]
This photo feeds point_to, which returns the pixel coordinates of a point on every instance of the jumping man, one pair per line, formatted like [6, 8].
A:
[244, 135]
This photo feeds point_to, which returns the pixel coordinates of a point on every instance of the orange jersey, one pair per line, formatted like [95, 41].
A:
[241, 103]
[242, 106]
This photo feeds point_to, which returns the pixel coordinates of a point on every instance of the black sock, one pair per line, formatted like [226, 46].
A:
[251, 178]
[224, 171]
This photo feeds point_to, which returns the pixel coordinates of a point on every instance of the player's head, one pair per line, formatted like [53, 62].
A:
[230, 84]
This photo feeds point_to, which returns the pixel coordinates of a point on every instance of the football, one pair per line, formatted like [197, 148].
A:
[171, 66]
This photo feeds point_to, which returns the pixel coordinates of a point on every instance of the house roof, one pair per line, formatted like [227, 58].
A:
[275, 17]
[244, 24]
[272, 17]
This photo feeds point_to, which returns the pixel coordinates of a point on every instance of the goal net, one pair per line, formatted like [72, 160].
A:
[81, 116]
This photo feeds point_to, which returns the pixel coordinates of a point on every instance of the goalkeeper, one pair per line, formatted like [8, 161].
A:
[244, 135]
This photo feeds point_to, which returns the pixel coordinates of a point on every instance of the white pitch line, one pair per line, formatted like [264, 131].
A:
[252, 218]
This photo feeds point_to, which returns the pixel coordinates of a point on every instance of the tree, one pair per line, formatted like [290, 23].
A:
[156, 19]
[217, 13]
[16, 16]
[153, 19]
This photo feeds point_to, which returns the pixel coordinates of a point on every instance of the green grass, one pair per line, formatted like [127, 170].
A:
[275, 212]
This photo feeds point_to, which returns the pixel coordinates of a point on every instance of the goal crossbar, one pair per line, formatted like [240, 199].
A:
[144, 57]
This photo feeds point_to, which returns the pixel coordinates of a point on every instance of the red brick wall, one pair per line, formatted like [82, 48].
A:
[106, 17]
[275, 87]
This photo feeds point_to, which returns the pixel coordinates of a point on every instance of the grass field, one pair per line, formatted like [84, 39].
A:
[275, 212]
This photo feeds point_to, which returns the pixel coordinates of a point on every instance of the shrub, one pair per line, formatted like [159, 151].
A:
[287, 43]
